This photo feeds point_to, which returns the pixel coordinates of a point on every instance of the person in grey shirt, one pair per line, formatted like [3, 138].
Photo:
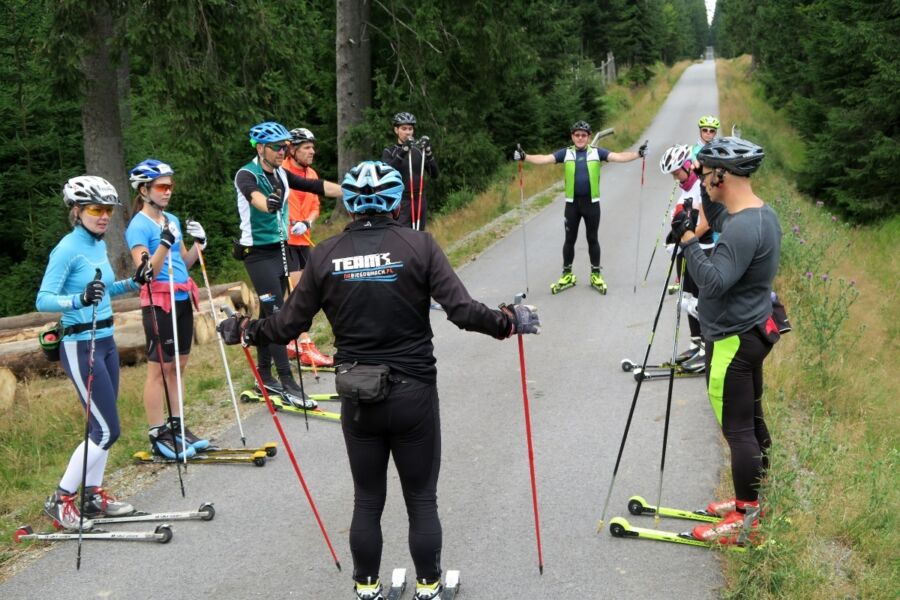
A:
[735, 310]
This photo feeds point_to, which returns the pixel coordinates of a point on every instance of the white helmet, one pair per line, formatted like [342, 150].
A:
[89, 189]
[673, 158]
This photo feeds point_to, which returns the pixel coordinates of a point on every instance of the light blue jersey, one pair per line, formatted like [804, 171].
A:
[73, 264]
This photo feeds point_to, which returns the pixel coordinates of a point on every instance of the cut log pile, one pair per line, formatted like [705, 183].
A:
[21, 356]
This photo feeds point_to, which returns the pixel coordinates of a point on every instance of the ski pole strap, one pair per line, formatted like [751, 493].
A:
[82, 327]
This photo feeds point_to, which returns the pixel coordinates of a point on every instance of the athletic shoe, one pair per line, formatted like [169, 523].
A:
[428, 591]
[735, 528]
[721, 508]
[199, 444]
[369, 591]
[697, 363]
[100, 504]
[162, 443]
[691, 352]
[293, 394]
[62, 510]
[309, 354]
[597, 279]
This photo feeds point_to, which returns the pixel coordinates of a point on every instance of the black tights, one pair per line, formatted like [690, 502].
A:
[266, 270]
[406, 426]
[582, 208]
[735, 385]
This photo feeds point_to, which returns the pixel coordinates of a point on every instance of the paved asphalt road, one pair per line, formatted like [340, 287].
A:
[263, 542]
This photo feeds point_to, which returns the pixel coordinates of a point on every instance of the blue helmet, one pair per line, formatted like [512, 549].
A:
[268, 132]
[372, 186]
[147, 170]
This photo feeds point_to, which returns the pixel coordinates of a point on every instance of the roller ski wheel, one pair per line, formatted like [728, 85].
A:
[398, 585]
[598, 284]
[565, 282]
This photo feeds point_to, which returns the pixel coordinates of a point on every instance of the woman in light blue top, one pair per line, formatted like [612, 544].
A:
[71, 286]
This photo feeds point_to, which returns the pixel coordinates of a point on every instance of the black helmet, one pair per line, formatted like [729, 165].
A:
[404, 118]
[733, 154]
[580, 126]
[301, 135]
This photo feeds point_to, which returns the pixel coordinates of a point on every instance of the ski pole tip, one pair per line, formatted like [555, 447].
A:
[599, 525]
[337, 563]
[541, 569]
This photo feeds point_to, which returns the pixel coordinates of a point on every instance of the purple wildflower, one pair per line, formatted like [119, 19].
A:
[802, 241]
[795, 229]
[833, 218]
[809, 274]
[824, 276]
[819, 203]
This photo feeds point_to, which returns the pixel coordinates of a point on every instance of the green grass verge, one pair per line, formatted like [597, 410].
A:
[833, 486]
[38, 433]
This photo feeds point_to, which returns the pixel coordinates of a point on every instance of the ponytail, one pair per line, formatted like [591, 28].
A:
[138, 205]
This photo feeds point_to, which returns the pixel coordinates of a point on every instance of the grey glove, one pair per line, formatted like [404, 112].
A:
[524, 318]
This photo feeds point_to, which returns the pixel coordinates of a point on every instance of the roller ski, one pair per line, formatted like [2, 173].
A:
[270, 448]
[280, 404]
[257, 458]
[567, 280]
[398, 584]
[206, 512]
[650, 373]
[621, 528]
[162, 534]
[451, 585]
[638, 506]
[597, 282]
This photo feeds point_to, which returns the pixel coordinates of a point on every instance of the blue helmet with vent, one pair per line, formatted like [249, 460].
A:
[268, 132]
[147, 170]
[372, 186]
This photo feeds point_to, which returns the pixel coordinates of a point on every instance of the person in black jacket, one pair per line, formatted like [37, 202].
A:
[411, 159]
[374, 281]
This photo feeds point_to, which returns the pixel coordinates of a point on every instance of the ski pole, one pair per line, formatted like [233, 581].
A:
[287, 446]
[176, 358]
[287, 276]
[423, 140]
[522, 205]
[527, 408]
[212, 309]
[662, 460]
[412, 194]
[637, 248]
[659, 235]
[162, 371]
[637, 391]
[87, 421]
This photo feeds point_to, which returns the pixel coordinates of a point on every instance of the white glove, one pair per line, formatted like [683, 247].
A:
[299, 228]
[195, 230]
[689, 304]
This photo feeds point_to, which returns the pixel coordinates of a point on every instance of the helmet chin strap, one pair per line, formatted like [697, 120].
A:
[96, 236]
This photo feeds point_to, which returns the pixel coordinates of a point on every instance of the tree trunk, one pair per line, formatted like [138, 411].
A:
[104, 153]
[353, 53]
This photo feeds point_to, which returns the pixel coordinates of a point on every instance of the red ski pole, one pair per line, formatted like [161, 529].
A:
[534, 498]
[290, 451]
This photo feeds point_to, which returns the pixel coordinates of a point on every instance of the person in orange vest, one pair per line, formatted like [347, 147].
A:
[303, 210]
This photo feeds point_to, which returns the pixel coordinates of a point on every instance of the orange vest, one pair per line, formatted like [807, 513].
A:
[302, 206]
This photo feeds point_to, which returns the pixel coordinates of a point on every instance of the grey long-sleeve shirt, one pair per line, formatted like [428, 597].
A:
[735, 280]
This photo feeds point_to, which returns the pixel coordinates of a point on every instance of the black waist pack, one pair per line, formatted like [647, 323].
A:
[238, 250]
[362, 384]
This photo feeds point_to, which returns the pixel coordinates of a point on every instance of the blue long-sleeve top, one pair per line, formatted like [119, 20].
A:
[73, 264]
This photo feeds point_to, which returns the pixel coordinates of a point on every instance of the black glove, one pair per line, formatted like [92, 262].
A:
[167, 236]
[274, 202]
[681, 224]
[642, 151]
[518, 153]
[93, 292]
[233, 330]
[425, 145]
[144, 273]
[524, 318]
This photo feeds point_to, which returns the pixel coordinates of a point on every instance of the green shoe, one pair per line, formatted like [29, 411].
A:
[597, 282]
[565, 282]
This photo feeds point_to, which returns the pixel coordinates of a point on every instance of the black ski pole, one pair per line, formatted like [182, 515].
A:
[662, 460]
[287, 276]
[637, 249]
[637, 391]
[87, 421]
[659, 235]
[159, 356]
